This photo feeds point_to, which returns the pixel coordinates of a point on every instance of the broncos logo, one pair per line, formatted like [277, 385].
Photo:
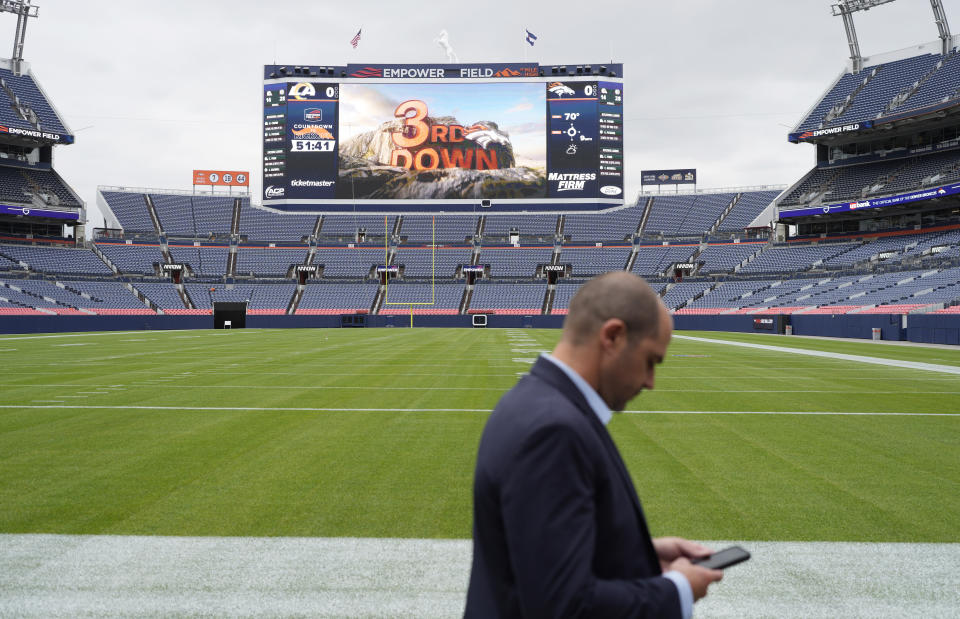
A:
[560, 89]
[320, 132]
[484, 136]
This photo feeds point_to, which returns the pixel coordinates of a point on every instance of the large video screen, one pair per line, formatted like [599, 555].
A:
[407, 145]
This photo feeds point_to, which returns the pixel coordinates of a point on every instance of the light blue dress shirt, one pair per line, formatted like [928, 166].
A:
[604, 413]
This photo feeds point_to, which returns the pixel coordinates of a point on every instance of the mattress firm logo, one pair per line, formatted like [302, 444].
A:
[571, 182]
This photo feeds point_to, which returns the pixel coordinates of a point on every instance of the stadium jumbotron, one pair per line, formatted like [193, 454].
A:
[270, 379]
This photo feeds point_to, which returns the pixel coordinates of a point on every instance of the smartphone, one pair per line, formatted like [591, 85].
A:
[723, 559]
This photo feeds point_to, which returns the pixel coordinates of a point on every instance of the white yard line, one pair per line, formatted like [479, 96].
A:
[372, 387]
[73, 575]
[897, 363]
[307, 409]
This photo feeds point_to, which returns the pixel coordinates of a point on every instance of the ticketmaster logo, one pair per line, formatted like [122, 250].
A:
[298, 182]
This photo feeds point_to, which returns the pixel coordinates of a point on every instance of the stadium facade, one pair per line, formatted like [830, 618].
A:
[872, 229]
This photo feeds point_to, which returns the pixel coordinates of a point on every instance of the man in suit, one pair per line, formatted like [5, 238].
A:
[558, 528]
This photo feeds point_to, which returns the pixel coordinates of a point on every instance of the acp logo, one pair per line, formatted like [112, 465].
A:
[302, 91]
[313, 114]
[274, 192]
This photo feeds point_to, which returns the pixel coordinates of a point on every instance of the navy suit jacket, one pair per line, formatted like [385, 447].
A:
[558, 529]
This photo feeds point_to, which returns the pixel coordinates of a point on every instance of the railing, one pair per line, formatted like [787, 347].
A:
[176, 192]
[692, 192]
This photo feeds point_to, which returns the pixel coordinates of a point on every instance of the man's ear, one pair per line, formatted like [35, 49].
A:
[611, 331]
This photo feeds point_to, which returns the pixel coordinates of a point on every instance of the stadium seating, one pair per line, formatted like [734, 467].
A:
[132, 258]
[19, 183]
[268, 261]
[686, 215]
[517, 299]
[618, 225]
[439, 299]
[26, 89]
[875, 87]
[588, 261]
[193, 216]
[427, 262]
[498, 227]
[345, 227]
[205, 260]
[654, 260]
[515, 262]
[130, 210]
[353, 262]
[747, 208]
[261, 225]
[793, 259]
[865, 180]
[52, 260]
[163, 294]
[720, 258]
[443, 228]
[336, 298]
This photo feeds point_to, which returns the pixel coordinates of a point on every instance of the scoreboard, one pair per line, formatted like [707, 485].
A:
[408, 138]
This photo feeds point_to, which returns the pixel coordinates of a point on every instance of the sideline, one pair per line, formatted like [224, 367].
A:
[98, 575]
[897, 363]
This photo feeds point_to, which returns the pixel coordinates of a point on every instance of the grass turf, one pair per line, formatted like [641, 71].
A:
[205, 466]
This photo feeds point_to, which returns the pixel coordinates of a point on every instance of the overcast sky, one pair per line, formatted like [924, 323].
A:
[153, 89]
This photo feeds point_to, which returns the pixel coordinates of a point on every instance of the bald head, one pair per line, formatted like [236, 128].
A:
[614, 295]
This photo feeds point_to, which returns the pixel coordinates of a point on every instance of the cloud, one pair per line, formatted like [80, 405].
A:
[523, 106]
[363, 108]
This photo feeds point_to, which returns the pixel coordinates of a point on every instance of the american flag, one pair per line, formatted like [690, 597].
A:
[356, 39]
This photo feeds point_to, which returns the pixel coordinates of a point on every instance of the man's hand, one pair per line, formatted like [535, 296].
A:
[669, 549]
[698, 577]
[675, 554]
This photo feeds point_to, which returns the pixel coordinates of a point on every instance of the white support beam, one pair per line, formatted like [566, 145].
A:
[940, 17]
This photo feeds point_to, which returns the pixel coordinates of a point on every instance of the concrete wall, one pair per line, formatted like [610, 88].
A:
[934, 329]
[931, 328]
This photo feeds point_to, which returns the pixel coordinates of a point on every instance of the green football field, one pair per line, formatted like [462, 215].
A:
[373, 433]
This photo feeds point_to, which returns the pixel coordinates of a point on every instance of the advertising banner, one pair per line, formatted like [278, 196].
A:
[687, 176]
[221, 178]
[813, 134]
[37, 212]
[443, 71]
[844, 207]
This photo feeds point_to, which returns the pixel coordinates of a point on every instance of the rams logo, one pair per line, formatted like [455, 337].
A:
[559, 89]
[303, 91]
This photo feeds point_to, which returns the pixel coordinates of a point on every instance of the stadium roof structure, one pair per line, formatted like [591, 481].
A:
[893, 89]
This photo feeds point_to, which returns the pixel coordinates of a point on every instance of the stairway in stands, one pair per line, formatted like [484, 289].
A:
[646, 215]
[726, 211]
[151, 209]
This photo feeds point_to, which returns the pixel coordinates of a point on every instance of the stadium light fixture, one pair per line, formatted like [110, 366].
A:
[940, 17]
[846, 9]
[23, 10]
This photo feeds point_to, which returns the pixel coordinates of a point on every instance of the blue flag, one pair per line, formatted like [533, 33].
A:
[531, 38]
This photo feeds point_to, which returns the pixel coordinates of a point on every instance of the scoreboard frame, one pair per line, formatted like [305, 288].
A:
[598, 184]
